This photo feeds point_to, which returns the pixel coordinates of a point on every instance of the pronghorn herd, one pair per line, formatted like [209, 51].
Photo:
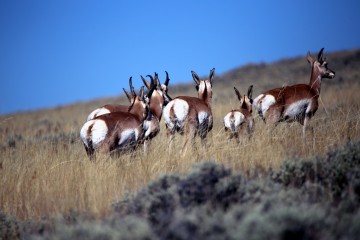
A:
[117, 128]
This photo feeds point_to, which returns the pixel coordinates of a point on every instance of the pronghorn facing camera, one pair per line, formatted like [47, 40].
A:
[240, 121]
[116, 131]
[297, 102]
[191, 116]
[109, 108]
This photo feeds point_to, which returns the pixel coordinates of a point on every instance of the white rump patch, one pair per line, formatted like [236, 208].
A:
[98, 132]
[263, 103]
[297, 108]
[202, 116]
[234, 121]
[181, 110]
[97, 112]
[126, 135]
[84, 133]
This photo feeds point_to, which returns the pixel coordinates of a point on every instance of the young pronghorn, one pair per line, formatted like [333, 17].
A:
[116, 131]
[297, 102]
[240, 121]
[159, 99]
[191, 115]
[112, 107]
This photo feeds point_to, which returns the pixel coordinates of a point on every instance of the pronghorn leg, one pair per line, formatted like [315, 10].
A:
[90, 152]
[170, 134]
[231, 135]
[203, 144]
[305, 123]
[189, 132]
[237, 137]
[146, 145]
[272, 117]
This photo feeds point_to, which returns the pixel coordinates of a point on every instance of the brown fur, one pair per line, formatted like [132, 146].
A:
[285, 96]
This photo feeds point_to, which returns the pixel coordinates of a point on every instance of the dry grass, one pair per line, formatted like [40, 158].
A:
[44, 169]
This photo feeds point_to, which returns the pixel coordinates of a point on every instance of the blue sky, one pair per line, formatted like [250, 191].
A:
[62, 51]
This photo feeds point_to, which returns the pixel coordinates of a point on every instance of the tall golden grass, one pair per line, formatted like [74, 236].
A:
[45, 171]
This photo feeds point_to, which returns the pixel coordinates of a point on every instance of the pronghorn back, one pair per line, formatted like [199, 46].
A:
[116, 130]
[109, 108]
[190, 115]
[298, 102]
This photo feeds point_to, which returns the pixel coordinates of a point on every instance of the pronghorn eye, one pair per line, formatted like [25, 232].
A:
[251, 101]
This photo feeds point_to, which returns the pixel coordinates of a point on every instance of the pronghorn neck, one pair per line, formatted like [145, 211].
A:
[138, 110]
[156, 104]
[205, 93]
[245, 105]
[315, 79]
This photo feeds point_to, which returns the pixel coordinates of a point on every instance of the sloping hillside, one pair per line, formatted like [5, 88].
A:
[44, 170]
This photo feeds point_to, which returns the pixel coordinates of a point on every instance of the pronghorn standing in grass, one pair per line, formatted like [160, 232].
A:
[190, 115]
[116, 131]
[240, 121]
[297, 102]
[112, 107]
[159, 99]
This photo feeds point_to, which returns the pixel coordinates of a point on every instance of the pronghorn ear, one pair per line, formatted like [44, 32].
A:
[195, 77]
[131, 87]
[127, 94]
[157, 81]
[147, 84]
[211, 77]
[237, 93]
[309, 58]
[320, 55]
[166, 83]
[250, 92]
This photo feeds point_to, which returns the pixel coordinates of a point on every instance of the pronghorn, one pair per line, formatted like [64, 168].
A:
[240, 121]
[297, 102]
[112, 107]
[191, 115]
[159, 99]
[116, 131]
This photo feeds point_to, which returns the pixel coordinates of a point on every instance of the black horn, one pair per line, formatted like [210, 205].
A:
[131, 87]
[249, 94]
[320, 55]
[166, 83]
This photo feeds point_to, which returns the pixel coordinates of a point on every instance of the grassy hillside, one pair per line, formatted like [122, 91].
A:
[44, 170]
[317, 198]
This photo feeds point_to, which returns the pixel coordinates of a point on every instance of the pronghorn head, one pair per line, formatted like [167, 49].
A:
[204, 87]
[320, 65]
[140, 106]
[159, 98]
[245, 101]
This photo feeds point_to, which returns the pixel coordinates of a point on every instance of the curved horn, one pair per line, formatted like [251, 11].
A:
[237, 93]
[157, 81]
[141, 92]
[211, 77]
[147, 84]
[151, 91]
[195, 77]
[131, 87]
[127, 94]
[249, 94]
[166, 83]
[320, 55]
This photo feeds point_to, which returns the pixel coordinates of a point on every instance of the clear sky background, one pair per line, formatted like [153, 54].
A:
[56, 52]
